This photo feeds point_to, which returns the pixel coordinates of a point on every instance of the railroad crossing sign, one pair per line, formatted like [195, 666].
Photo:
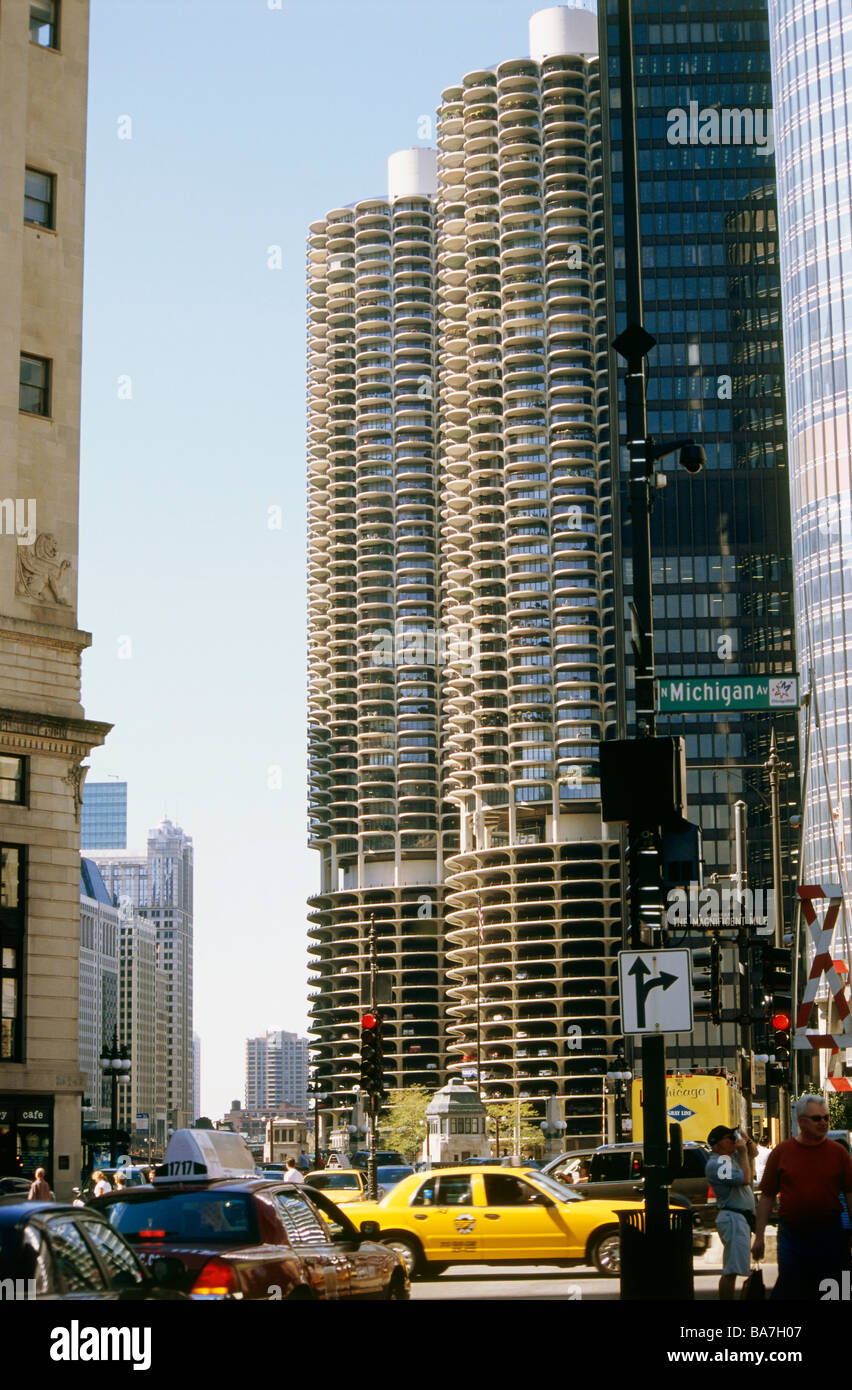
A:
[656, 991]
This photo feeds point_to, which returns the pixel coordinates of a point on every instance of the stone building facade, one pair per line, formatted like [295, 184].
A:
[44, 735]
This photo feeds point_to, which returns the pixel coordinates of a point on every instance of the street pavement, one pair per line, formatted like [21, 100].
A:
[546, 1282]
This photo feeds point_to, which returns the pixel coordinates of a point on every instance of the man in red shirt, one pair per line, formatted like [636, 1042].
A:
[808, 1175]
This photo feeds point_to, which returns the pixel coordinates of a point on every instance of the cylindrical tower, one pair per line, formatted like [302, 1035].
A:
[524, 502]
[373, 614]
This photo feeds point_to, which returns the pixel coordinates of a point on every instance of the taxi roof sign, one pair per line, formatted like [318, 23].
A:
[203, 1155]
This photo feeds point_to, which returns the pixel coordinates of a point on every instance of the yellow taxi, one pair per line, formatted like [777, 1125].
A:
[343, 1185]
[494, 1215]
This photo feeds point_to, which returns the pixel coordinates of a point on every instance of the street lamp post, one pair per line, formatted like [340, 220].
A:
[315, 1091]
[115, 1066]
[618, 1080]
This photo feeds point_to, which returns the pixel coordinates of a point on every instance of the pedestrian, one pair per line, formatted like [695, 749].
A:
[151, 1174]
[763, 1152]
[291, 1172]
[101, 1184]
[39, 1188]
[78, 1200]
[303, 1162]
[728, 1170]
[808, 1174]
[120, 1181]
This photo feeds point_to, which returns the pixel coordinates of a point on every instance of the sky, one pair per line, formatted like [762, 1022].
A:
[218, 131]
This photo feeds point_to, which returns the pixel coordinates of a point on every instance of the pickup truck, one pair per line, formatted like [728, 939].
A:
[616, 1171]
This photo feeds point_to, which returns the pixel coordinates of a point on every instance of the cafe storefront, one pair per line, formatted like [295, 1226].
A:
[26, 1136]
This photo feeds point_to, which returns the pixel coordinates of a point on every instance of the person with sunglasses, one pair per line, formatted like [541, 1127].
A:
[808, 1174]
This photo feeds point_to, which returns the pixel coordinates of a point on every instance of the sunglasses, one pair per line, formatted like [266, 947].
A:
[816, 1119]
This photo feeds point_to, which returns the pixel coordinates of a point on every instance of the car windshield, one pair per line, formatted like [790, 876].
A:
[556, 1189]
[226, 1217]
[334, 1182]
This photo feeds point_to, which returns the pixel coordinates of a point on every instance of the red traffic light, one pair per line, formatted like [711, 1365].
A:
[368, 1020]
[780, 1022]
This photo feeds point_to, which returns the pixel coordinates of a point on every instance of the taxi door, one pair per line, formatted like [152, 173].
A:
[445, 1218]
[521, 1222]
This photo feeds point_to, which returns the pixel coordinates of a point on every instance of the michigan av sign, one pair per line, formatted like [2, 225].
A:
[695, 694]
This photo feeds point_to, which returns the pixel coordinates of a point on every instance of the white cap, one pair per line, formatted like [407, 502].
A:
[562, 32]
[413, 174]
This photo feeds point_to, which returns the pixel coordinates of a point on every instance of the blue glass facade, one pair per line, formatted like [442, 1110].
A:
[103, 821]
[722, 567]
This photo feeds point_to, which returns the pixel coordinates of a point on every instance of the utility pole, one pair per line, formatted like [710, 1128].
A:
[744, 953]
[374, 1100]
[774, 766]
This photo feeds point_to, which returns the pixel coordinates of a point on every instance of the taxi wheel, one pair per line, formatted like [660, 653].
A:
[409, 1251]
[605, 1251]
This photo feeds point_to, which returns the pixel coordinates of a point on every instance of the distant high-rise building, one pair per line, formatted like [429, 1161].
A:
[99, 964]
[103, 819]
[141, 979]
[158, 885]
[196, 1077]
[811, 43]
[276, 1071]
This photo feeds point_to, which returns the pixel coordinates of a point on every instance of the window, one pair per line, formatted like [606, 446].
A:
[12, 918]
[300, 1221]
[72, 1257]
[34, 396]
[12, 779]
[506, 1191]
[121, 1266]
[44, 23]
[39, 198]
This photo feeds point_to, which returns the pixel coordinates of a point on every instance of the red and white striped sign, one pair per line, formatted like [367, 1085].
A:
[823, 964]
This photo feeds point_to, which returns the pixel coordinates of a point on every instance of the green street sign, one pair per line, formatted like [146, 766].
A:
[689, 694]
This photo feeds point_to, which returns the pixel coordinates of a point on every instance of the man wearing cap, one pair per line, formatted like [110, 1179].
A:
[808, 1174]
[728, 1170]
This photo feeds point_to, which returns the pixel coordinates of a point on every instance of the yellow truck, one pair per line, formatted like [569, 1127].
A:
[697, 1102]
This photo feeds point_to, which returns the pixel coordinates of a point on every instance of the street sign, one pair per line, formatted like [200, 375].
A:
[142, 1122]
[694, 694]
[656, 991]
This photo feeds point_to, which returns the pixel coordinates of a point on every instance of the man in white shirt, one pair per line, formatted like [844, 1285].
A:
[292, 1174]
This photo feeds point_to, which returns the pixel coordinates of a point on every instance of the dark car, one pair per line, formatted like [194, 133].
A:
[388, 1176]
[253, 1238]
[616, 1172]
[385, 1158]
[15, 1188]
[55, 1251]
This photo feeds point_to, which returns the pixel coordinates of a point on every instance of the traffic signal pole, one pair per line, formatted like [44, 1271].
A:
[634, 345]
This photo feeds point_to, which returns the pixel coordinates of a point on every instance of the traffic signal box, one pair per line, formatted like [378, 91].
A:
[707, 982]
[772, 985]
[372, 1069]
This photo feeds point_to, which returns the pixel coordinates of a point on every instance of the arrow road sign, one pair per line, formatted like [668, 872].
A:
[656, 993]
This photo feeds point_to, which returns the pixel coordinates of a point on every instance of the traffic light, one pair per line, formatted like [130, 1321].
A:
[707, 982]
[372, 1074]
[778, 1072]
[778, 979]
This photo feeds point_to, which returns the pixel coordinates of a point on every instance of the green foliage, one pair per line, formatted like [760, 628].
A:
[203, 1123]
[403, 1123]
[840, 1110]
[507, 1114]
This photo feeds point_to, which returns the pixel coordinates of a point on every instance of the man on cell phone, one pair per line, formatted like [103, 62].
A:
[728, 1170]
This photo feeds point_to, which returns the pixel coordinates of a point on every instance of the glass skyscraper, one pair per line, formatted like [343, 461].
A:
[103, 818]
[723, 586]
[811, 42]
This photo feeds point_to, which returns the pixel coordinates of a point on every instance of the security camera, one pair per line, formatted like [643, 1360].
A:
[692, 458]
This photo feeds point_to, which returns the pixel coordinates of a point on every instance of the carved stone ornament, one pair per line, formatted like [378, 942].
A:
[74, 778]
[40, 574]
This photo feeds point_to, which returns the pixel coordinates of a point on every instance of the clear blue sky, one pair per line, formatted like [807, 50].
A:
[247, 123]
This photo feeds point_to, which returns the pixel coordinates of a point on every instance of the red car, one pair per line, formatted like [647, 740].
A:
[249, 1237]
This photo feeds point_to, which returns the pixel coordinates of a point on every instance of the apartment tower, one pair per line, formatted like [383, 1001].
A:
[375, 802]
[533, 895]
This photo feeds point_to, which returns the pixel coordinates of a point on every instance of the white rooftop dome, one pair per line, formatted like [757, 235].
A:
[413, 174]
[563, 31]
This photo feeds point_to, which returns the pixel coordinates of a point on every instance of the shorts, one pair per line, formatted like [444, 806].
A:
[736, 1238]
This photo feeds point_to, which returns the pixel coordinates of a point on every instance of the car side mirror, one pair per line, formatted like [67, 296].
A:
[370, 1230]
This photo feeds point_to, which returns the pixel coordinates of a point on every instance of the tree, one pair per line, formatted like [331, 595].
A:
[203, 1123]
[403, 1123]
[839, 1110]
[507, 1114]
